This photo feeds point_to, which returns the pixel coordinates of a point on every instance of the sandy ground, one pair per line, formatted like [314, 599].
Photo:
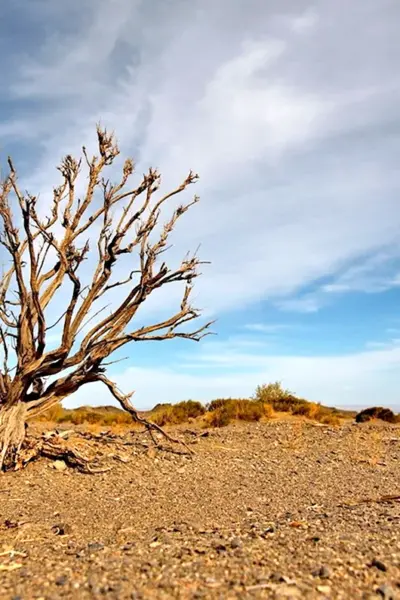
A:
[285, 509]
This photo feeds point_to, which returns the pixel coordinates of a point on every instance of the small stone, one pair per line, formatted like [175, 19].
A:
[386, 592]
[219, 546]
[236, 543]
[276, 577]
[61, 529]
[59, 465]
[61, 580]
[378, 564]
[322, 572]
[95, 546]
[324, 589]
[269, 529]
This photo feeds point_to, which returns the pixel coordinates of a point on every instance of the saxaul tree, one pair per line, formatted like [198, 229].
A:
[47, 254]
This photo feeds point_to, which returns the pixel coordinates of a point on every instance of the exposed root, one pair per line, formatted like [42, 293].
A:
[16, 450]
[55, 447]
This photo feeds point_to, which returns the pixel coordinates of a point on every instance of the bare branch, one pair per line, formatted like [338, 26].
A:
[119, 220]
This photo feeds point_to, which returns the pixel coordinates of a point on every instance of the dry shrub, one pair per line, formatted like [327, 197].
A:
[316, 412]
[271, 393]
[101, 415]
[53, 414]
[377, 412]
[220, 417]
[164, 414]
[222, 411]
[330, 419]
[311, 410]
[282, 400]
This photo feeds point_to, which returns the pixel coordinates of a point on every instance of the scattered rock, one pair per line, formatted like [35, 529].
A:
[59, 465]
[61, 580]
[322, 572]
[378, 564]
[277, 577]
[61, 529]
[387, 592]
[324, 589]
[95, 546]
[201, 534]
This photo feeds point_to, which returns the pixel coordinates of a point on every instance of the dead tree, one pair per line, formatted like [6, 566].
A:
[46, 254]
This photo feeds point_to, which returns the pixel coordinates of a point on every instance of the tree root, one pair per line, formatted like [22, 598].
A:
[17, 450]
[55, 447]
[85, 452]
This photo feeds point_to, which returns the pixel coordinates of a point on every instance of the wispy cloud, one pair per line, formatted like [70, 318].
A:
[266, 327]
[366, 378]
[295, 136]
[294, 165]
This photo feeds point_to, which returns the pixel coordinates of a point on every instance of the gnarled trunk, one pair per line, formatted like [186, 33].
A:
[12, 432]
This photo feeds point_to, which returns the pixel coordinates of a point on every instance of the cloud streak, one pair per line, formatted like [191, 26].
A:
[295, 135]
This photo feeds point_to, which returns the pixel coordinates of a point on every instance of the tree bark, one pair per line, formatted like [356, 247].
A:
[12, 432]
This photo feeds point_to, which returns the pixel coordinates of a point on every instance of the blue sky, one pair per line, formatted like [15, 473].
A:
[290, 113]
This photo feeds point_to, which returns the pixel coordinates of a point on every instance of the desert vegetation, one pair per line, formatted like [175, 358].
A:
[377, 412]
[269, 401]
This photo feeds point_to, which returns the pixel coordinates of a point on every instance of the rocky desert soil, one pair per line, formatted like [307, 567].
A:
[284, 509]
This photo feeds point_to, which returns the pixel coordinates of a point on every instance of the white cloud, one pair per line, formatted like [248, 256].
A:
[266, 327]
[305, 22]
[294, 136]
[371, 377]
[281, 206]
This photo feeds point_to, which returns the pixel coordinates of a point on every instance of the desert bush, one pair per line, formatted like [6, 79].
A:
[329, 419]
[220, 417]
[289, 404]
[220, 403]
[377, 412]
[91, 415]
[52, 414]
[224, 410]
[271, 392]
[162, 414]
[161, 405]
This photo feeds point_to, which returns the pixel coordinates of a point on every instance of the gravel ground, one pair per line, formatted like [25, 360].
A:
[284, 509]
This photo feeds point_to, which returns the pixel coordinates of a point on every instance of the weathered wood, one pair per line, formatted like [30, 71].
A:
[126, 221]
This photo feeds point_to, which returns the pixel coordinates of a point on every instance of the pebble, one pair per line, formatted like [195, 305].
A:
[324, 589]
[322, 572]
[277, 577]
[378, 564]
[61, 529]
[387, 592]
[59, 465]
[95, 546]
[61, 580]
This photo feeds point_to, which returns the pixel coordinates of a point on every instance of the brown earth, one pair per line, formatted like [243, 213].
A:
[284, 509]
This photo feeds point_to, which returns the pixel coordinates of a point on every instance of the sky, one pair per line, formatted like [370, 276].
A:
[289, 111]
